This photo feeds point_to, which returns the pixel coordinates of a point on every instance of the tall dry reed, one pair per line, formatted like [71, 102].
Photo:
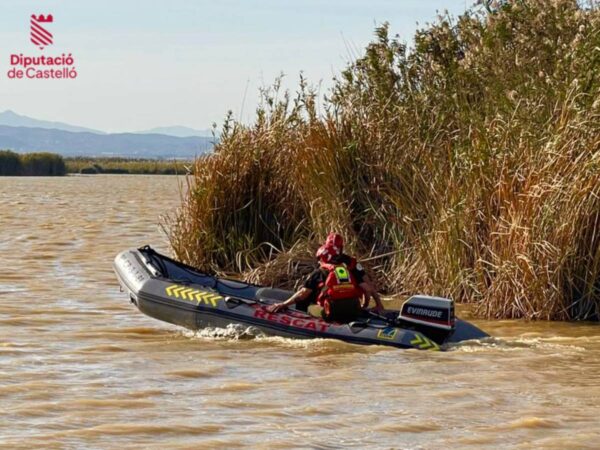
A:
[467, 165]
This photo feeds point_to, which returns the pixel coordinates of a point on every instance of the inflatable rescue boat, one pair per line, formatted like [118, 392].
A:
[173, 292]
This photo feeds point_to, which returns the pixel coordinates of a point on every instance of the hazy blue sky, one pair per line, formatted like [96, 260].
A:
[152, 63]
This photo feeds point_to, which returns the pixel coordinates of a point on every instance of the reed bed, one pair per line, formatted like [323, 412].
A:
[31, 164]
[466, 165]
[117, 165]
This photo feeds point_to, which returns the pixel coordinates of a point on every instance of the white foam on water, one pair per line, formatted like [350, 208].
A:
[231, 332]
[235, 332]
[294, 342]
[11, 289]
[514, 344]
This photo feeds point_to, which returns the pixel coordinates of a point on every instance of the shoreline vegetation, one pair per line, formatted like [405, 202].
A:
[141, 166]
[31, 164]
[51, 164]
[466, 165]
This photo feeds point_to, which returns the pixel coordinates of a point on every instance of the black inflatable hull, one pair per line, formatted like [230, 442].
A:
[173, 292]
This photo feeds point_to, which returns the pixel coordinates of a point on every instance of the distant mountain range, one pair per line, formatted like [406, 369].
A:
[25, 134]
[12, 119]
[178, 131]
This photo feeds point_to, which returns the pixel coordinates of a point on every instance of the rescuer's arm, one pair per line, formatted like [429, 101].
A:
[368, 287]
[300, 295]
[370, 292]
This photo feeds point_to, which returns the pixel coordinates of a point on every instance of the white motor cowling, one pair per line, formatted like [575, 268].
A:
[434, 312]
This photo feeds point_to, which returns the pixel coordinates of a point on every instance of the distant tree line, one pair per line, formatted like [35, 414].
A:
[31, 164]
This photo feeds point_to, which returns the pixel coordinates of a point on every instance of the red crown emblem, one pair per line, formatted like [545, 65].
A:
[39, 35]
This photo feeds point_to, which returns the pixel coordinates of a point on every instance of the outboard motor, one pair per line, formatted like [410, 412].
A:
[433, 316]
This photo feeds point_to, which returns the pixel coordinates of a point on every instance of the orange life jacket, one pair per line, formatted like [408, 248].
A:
[339, 284]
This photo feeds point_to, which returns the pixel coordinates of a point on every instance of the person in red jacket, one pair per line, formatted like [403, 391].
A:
[339, 285]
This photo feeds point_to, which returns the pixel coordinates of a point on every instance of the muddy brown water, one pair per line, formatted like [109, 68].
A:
[81, 368]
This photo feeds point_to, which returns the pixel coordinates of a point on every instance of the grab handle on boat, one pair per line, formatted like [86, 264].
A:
[357, 326]
[236, 301]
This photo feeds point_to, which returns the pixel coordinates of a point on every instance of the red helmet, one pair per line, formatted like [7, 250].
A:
[326, 253]
[335, 241]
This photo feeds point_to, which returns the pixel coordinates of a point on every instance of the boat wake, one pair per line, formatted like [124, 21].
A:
[230, 332]
[517, 344]
[237, 332]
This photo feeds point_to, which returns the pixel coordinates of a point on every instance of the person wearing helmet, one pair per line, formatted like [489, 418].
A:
[336, 242]
[339, 286]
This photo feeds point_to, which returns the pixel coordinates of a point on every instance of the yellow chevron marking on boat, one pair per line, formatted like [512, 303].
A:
[424, 343]
[176, 290]
[207, 297]
[193, 295]
[185, 292]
